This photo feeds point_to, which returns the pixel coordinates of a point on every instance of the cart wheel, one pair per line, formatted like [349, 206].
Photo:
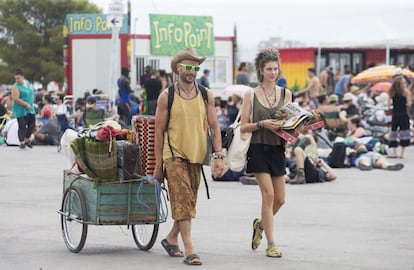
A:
[145, 235]
[74, 232]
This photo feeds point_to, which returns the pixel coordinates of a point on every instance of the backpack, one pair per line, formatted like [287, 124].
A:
[203, 91]
[336, 158]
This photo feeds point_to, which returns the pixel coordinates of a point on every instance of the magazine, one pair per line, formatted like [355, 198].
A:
[294, 119]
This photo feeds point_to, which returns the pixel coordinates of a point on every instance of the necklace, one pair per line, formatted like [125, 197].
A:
[268, 96]
[186, 93]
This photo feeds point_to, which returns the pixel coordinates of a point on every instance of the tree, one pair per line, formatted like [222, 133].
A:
[31, 36]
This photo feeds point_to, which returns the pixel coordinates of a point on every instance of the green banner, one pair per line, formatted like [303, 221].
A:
[171, 33]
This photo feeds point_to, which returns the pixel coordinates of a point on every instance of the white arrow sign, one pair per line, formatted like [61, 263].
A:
[114, 21]
[116, 8]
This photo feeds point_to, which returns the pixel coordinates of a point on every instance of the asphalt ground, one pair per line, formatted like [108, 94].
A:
[363, 220]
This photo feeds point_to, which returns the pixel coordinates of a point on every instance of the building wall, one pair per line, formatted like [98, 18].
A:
[90, 56]
[295, 62]
[374, 57]
[90, 65]
[220, 65]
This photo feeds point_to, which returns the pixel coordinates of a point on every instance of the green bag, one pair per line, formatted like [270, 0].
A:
[97, 159]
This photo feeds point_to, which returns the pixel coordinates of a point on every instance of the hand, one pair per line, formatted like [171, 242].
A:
[159, 173]
[28, 106]
[319, 162]
[272, 124]
[218, 167]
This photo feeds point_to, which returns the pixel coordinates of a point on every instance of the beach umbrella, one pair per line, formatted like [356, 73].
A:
[381, 87]
[380, 74]
[238, 89]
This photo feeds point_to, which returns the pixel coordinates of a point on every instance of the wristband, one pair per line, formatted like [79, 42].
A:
[217, 156]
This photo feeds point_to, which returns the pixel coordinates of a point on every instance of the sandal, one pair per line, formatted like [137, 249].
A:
[192, 259]
[257, 234]
[172, 250]
[273, 252]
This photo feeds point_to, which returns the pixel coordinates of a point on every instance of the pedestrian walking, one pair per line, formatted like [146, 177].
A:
[181, 146]
[23, 108]
[400, 123]
[266, 155]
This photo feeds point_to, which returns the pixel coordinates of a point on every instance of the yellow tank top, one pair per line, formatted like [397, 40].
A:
[187, 129]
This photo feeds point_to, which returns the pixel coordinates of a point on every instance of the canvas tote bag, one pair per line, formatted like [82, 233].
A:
[237, 151]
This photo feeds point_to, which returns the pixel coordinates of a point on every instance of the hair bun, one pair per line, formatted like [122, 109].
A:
[19, 71]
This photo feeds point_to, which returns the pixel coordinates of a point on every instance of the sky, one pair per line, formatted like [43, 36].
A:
[310, 22]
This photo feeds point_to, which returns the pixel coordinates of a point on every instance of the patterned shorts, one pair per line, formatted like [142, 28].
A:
[183, 180]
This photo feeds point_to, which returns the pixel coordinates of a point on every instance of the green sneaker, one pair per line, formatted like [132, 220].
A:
[257, 234]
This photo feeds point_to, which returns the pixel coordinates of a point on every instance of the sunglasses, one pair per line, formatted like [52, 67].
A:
[189, 67]
[271, 53]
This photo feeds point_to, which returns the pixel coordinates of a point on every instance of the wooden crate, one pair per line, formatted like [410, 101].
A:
[116, 203]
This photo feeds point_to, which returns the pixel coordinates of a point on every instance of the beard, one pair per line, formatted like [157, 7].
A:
[187, 78]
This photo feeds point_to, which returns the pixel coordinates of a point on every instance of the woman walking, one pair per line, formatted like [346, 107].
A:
[400, 123]
[266, 155]
[23, 109]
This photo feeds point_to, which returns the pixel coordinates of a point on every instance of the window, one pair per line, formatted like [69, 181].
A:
[142, 62]
[218, 71]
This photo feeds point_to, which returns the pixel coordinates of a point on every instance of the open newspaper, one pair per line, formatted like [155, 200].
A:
[293, 119]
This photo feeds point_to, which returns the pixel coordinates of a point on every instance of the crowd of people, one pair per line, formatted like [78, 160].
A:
[346, 141]
[39, 117]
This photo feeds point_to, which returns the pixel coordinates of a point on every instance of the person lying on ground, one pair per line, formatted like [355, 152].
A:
[372, 160]
[310, 169]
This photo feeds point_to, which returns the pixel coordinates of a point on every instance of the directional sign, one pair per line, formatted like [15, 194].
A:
[114, 21]
[116, 8]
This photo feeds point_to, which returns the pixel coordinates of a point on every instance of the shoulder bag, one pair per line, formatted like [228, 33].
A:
[237, 151]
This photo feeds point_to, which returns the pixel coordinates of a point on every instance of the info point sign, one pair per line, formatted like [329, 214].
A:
[171, 33]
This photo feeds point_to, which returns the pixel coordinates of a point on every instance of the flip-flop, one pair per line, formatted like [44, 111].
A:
[192, 259]
[392, 156]
[172, 250]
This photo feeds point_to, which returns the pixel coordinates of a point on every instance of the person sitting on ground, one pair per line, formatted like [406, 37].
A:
[92, 115]
[335, 120]
[47, 134]
[47, 110]
[349, 107]
[355, 129]
[333, 116]
[323, 101]
[310, 168]
[10, 133]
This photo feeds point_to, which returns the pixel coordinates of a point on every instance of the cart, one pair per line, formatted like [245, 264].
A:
[135, 203]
